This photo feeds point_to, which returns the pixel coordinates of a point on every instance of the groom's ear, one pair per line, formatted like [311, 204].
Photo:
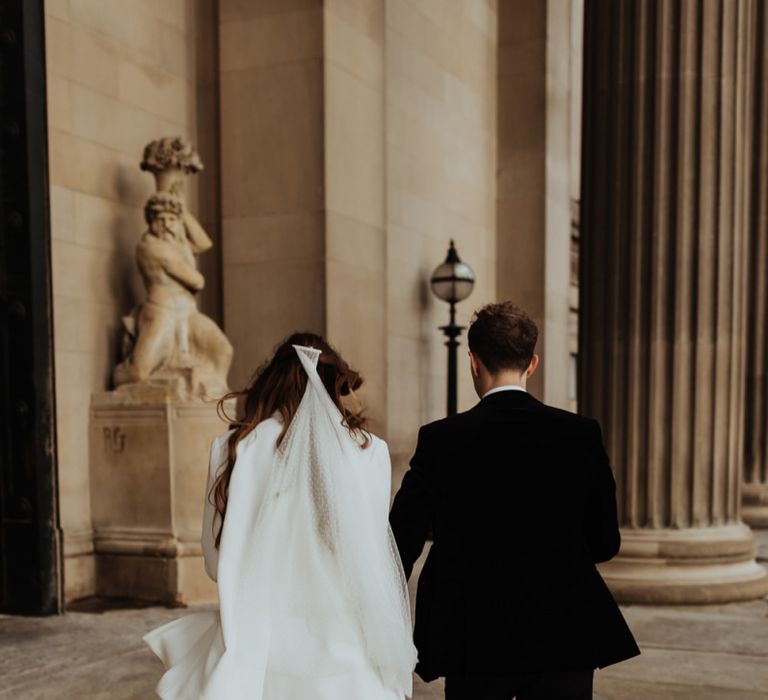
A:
[473, 364]
[532, 367]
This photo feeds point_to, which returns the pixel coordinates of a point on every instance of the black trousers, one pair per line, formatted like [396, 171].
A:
[564, 685]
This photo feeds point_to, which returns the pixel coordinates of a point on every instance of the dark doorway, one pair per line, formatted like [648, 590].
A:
[29, 531]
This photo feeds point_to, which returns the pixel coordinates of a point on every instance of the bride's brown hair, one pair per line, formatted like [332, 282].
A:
[277, 386]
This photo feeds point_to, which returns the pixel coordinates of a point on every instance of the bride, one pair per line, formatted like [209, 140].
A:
[313, 603]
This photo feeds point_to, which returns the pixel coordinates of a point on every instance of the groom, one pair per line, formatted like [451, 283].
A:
[520, 499]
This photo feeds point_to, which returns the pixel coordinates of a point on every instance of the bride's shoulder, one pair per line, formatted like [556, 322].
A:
[377, 447]
[220, 441]
[270, 427]
[378, 467]
[376, 441]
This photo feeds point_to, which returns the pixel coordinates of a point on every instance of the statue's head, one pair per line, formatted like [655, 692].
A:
[163, 214]
[171, 153]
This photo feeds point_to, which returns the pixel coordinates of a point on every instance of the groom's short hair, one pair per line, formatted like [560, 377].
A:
[503, 336]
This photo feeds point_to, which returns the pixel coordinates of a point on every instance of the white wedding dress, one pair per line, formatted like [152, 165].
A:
[312, 599]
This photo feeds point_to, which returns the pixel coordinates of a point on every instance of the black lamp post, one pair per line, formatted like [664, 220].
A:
[452, 281]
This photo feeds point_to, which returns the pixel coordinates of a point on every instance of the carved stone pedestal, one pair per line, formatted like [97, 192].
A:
[149, 462]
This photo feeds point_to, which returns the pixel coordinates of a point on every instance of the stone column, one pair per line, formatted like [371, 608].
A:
[755, 508]
[662, 332]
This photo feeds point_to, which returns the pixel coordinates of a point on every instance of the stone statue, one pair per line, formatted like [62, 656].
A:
[167, 341]
[170, 160]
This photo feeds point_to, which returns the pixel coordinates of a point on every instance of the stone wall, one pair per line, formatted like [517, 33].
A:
[355, 185]
[358, 138]
[119, 75]
[303, 181]
[272, 149]
[441, 184]
[538, 129]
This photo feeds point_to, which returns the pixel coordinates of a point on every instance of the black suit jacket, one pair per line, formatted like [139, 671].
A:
[520, 499]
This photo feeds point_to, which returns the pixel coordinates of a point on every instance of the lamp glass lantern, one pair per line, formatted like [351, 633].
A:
[452, 282]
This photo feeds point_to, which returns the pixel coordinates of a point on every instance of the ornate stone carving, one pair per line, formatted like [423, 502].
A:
[168, 155]
[168, 344]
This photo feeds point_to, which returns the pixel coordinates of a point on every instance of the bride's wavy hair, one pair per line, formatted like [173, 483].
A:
[278, 386]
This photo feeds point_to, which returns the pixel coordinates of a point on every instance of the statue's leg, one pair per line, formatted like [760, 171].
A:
[155, 340]
[209, 341]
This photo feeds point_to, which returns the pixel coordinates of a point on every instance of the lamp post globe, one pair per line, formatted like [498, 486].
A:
[452, 282]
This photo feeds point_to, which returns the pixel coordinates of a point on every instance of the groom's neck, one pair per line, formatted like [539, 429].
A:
[506, 378]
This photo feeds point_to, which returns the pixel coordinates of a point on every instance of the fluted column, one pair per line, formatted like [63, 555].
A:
[755, 508]
[662, 290]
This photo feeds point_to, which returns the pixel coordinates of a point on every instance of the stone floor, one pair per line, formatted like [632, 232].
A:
[716, 652]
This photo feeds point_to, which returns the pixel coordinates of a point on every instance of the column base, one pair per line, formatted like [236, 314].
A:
[754, 510]
[692, 566]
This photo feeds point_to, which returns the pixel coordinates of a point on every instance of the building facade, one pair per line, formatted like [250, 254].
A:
[345, 143]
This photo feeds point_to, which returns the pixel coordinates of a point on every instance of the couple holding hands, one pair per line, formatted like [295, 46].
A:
[517, 497]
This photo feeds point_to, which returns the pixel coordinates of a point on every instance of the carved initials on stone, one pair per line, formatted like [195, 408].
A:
[114, 439]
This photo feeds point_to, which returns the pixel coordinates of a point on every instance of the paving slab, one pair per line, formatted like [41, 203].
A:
[711, 629]
[696, 653]
[706, 652]
[614, 689]
[695, 668]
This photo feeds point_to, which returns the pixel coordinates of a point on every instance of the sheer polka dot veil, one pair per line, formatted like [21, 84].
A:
[324, 556]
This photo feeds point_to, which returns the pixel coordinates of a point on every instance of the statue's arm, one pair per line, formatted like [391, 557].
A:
[199, 239]
[152, 255]
[184, 273]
